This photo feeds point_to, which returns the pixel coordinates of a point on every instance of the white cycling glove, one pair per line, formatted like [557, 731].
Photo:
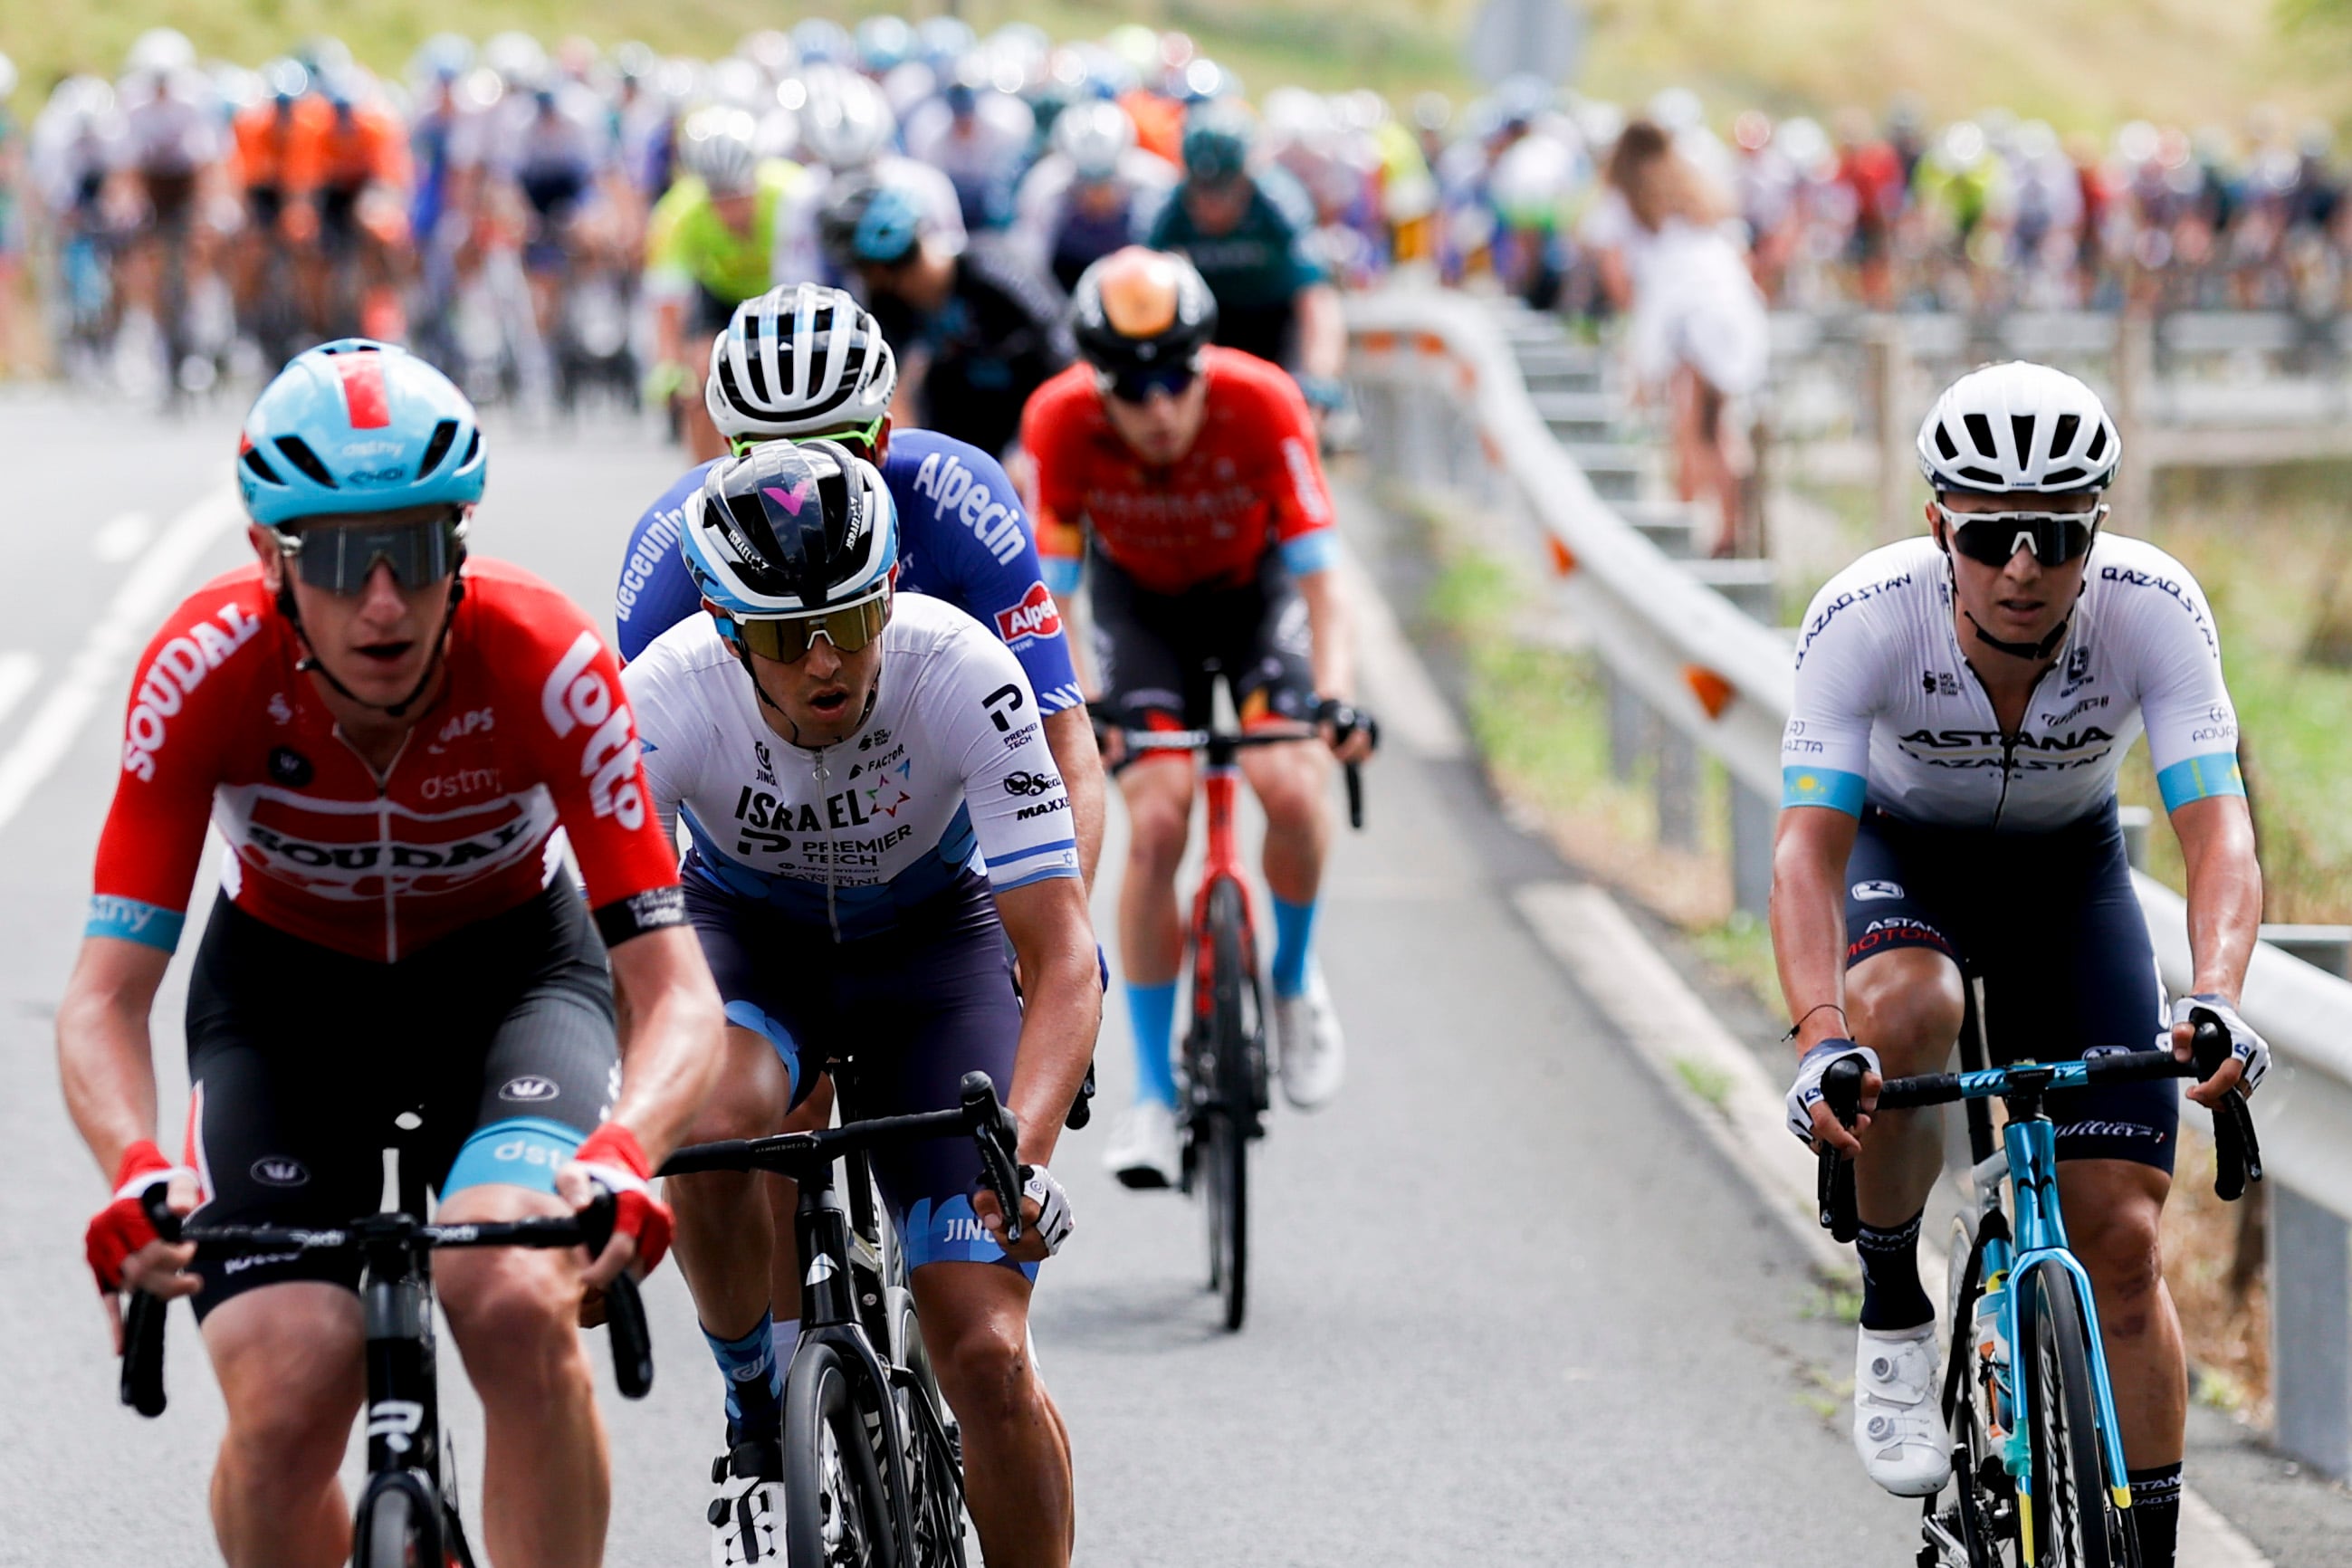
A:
[1054, 1220]
[2253, 1052]
[1806, 1092]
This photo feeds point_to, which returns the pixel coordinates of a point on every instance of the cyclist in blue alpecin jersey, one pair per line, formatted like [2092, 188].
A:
[805, 362]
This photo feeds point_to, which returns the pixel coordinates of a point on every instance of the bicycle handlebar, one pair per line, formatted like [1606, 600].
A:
[2238, 1153]
[143, 1321]
[993, 1129]
[1138, 740]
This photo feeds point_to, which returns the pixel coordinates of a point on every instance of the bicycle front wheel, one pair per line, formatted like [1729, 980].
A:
[836, 1511]
[2067, 1519]
[394, 1532]
[934, 1467]
[1220, 1131]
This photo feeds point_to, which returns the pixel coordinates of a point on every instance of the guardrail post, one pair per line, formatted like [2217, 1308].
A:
[1677, 788]
[1754, 819]
[1889, 357]
[2311, 1331]
[1629, 722]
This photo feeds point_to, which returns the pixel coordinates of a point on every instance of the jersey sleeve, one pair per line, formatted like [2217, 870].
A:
[1295, 210]
[2192, 727]
[585, 742]
[669, 734]
[181, 713]
[656, 591]
[1825, 749]
[996, 575]
[1020, 807]
[1060, 521]
[1302, 498]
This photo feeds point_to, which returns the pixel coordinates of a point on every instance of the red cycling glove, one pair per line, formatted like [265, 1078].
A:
[123, 1227]
[616, 1162]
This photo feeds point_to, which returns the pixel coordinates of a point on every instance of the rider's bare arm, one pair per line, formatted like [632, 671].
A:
[1070, 736]
[2225, 907]
[1062, 1004]
[106, 1059]
[673, 1029]
[1328, 624]
[1322, 332]
[1809, 857]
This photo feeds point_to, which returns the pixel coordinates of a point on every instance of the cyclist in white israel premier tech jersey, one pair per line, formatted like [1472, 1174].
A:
[874, 817]
[1963, 704]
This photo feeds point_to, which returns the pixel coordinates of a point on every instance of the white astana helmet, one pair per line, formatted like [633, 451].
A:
[797, 361]
[2018, 426]
[1094, 135]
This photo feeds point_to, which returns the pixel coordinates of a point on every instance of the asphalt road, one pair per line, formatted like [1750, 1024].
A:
[1508, 1306]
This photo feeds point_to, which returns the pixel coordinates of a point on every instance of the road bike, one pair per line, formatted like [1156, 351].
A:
[408, 1514]
[1224, 1075]
[873, 1467]
[2038, 1475]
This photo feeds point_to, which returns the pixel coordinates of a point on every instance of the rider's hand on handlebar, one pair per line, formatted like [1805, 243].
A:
[1045, 1220]
[612, 1160]
[1809, 1116]
[1350, 732]
[1110, 740]
[2250, 1055]
[123, 1249]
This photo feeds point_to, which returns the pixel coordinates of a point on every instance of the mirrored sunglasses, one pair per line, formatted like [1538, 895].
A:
[339, 557]
[786, 638]
[1993, 537]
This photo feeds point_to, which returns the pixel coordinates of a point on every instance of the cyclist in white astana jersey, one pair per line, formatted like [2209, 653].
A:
[1889, 710]
[1948, 846]
[874, 817]
[949, 778]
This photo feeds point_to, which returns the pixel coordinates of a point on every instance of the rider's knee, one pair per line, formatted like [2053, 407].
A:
[513, 1312]
[1291, 795]
[984, 1369]
[2119, 1243]
[291, 1382]
[1906, 1006]
[1158, 823]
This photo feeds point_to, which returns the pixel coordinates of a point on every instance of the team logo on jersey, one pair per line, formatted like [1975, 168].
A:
[277, 1171]
[290, 767]
[767, 764]
[575, 697]
[1935, 682]
[1878, 890]
[529, 1088]
[1030, 784]
[1001, 704]
[179, 668]
[1037, 616]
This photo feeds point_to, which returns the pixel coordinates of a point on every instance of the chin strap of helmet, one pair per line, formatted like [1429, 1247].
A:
[309, 662]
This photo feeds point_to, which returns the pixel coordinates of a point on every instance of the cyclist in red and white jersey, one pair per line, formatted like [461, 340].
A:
[387, 738]
[1184, 479]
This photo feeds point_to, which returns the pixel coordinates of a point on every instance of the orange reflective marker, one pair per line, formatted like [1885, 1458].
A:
[1713, 692]
[1563, 559]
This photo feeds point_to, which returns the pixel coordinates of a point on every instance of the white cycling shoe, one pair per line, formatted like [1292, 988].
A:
[747, 1506]
[1314, 1051]
[1144, 1152]
[1898, 1428]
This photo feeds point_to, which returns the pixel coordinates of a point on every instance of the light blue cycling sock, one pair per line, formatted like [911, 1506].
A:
[1294, 939]
[1151, 1013]
[786, 1332]
[754, 1378]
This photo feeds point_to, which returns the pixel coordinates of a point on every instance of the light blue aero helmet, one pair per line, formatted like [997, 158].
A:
[357, 425]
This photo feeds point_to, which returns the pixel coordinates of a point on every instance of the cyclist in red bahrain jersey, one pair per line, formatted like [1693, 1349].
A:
[1184, 479]
[388, 738]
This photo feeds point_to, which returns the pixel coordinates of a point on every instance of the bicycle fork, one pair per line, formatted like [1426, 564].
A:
[404, 1445]
[830, 1315]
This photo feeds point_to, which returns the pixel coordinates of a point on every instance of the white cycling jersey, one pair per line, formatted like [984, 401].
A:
[948, 779]
[1888, 714]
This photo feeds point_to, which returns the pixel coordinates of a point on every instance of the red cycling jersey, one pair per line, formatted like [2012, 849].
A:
[531, 730]
[1252, 482]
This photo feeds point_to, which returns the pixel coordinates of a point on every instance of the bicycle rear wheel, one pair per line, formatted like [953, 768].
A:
[837, 1511]
[2068, 1521]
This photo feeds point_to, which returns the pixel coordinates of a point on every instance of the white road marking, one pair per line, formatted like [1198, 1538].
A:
[1407, 702]
[18, 671]
[121, 629]
[120, 540]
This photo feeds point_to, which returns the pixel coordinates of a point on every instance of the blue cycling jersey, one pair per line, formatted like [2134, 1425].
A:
[962, 537]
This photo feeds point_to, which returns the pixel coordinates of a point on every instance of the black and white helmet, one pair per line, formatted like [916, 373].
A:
[790, 528]
[800, 360]
[2018, 426]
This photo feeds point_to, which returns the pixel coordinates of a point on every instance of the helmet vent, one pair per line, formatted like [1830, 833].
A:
[472, 448]
[2062, 433]
[266, 474]
[445, 436]
[1980, 432]
[1983, 477]
[2098, 444]
[2063, 476]
[1945, 444]
[2021, 426]
[298, 452]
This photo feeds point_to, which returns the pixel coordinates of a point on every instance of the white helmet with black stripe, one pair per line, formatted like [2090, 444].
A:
[2018, 426]
[800, 360]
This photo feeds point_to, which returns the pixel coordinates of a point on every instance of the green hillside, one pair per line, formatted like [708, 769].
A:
[2085, 64]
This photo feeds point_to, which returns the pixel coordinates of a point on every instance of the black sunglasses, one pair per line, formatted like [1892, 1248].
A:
[1138, 386]
[1993, 537]
[338, 557]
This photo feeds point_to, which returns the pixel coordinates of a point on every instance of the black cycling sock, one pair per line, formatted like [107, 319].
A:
[1891, 1296]
[2155, 1513]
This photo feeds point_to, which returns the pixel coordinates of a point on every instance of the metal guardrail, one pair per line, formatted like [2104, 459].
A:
[1447, 411]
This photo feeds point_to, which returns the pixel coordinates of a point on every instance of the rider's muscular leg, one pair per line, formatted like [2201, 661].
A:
[1016, 1452]
[1158, 793]
[723, 1223]
[1906, 1005]
[546, 1486]
[2113, 1207]
[288, 1358]
[1291, 784]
